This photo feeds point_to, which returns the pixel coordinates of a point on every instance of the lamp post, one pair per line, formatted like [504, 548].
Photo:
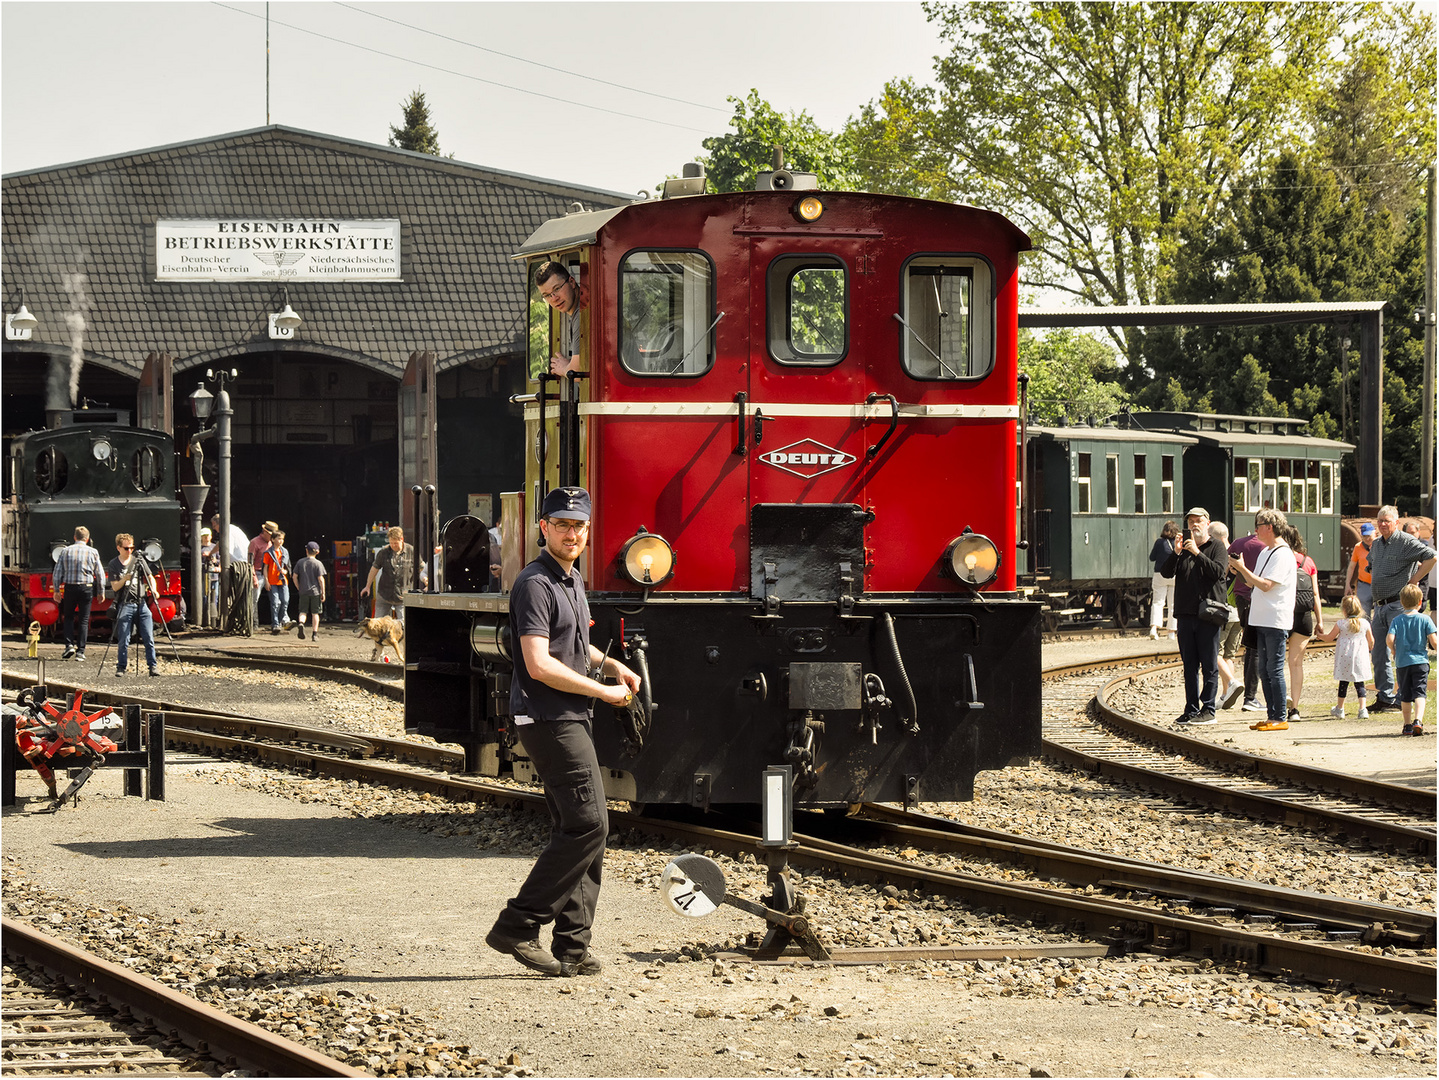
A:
[203, 405]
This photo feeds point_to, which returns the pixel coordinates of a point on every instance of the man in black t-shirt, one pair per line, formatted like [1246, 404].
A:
[550, 694]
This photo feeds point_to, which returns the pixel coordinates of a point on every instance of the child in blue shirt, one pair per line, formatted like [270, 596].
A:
[1410, 638]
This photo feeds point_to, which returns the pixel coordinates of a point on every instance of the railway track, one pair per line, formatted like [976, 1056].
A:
[101, 1020]
[1110, 742]
[1146, 907]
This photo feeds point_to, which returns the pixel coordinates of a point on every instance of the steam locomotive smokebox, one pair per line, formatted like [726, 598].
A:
[825, 686]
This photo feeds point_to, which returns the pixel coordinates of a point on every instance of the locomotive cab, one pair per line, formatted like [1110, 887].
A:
[796, 413]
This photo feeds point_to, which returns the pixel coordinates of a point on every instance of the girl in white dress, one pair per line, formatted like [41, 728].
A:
[1351, 654]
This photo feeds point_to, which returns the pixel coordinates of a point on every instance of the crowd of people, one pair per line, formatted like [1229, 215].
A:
[1262, 592]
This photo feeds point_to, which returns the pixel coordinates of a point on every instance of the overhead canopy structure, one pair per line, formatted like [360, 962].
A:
[1368, 315]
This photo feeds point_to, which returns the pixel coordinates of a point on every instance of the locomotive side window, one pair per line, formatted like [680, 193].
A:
[808, 303]
[146, 469]
[948, 318]
[52, 470]
[666, 300]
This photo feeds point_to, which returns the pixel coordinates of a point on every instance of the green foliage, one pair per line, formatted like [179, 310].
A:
[1071, 375]
[732, 161]
[417, 133]
[1104, 128]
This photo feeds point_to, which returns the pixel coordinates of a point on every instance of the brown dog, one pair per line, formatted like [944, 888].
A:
[383, 631]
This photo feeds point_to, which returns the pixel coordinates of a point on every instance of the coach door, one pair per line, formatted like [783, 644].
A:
[806, 401]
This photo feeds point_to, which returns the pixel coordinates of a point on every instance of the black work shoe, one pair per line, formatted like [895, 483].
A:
[1384, 706]
[528, 952]
[301, 632]
[585, 965]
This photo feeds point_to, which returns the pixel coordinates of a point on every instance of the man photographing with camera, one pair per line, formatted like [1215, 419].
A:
[1199, 568]
[133, 585]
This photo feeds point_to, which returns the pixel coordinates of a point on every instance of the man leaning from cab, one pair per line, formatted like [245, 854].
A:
[572, 300]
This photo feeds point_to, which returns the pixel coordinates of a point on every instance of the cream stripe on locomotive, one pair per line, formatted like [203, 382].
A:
[878, 411]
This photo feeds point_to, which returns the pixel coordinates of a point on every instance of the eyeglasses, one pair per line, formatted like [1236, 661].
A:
[126, 547]
[568, 526]
[548, 296]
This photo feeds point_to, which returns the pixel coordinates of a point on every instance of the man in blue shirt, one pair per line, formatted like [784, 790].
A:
[78, 576]
[1396, 559]
[550, 694]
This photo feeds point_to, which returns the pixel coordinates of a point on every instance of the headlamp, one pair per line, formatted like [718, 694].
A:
[153, 550]
[56, 546]
[809, 208]
[971, 559]
[646, 559]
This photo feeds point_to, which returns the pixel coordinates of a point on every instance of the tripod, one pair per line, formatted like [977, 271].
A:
[159, 615]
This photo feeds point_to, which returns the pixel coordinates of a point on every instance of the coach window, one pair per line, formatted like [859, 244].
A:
[948, 318]
[666, 321]
[1084, 503]
[1240, 502]
[808, 309]
[52, 470]
[146, 469]
[1328, 487]
[1166, 484]
[1139, 483]
[1311, 487]
[1256, 490]
[1111, 483]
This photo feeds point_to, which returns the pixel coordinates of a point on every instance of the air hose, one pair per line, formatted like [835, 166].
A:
[909, 713]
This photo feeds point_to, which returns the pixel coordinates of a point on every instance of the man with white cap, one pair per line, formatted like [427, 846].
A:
[550, 703]
[1199, 567]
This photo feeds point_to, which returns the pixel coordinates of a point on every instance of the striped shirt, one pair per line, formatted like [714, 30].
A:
[79, 564]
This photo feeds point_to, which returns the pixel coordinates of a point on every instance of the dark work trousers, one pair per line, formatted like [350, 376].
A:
[75, 616]
[1199, 650]
[1251, 651]
[564, 884]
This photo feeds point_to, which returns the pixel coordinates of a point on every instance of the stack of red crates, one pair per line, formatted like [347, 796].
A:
[346, 589]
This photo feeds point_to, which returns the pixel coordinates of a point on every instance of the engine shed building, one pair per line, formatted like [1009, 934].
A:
[147, 269]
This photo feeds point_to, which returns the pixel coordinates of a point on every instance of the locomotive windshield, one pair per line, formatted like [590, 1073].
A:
[666, 299]
[947, 318]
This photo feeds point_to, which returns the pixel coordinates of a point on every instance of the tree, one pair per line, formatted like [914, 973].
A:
[732, 161]
[1071, 376]
[1104, 128]
[417, 134]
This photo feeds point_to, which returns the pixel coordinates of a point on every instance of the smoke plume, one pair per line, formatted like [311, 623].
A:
[77, 288]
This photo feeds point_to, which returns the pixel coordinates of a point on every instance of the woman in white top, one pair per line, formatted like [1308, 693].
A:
[1271, 610]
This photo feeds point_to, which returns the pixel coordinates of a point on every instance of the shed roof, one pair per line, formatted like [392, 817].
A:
[80, 239]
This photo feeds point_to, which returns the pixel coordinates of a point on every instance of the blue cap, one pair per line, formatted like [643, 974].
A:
[570, 503]
[1367, 529]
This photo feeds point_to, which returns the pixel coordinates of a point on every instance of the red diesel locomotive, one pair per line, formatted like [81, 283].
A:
[797, 417]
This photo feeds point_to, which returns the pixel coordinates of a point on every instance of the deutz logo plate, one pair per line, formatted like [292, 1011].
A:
[807, 458]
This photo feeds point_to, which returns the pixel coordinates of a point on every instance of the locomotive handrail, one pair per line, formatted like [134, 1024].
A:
[740, 448]
[893, 420]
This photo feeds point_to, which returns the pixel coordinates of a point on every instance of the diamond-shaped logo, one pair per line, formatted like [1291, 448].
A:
[807, 458]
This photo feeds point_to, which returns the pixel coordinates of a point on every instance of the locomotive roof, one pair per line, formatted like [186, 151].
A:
[584, 226]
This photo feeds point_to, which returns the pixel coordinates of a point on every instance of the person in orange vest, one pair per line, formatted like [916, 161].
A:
[276, 565]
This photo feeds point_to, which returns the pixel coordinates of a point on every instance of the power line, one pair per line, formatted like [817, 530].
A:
[465, 75]
[511, 56]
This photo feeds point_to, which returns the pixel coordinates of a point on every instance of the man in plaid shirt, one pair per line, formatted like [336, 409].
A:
[78, 576]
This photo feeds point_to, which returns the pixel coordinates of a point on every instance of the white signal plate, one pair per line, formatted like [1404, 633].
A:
[693, 885]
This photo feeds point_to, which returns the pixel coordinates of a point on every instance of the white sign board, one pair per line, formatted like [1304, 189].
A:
[299, 249]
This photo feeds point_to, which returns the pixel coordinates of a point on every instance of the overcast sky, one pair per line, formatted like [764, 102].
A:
[610, 95]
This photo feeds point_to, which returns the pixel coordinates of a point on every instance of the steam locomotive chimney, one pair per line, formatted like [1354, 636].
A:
[57, 391]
